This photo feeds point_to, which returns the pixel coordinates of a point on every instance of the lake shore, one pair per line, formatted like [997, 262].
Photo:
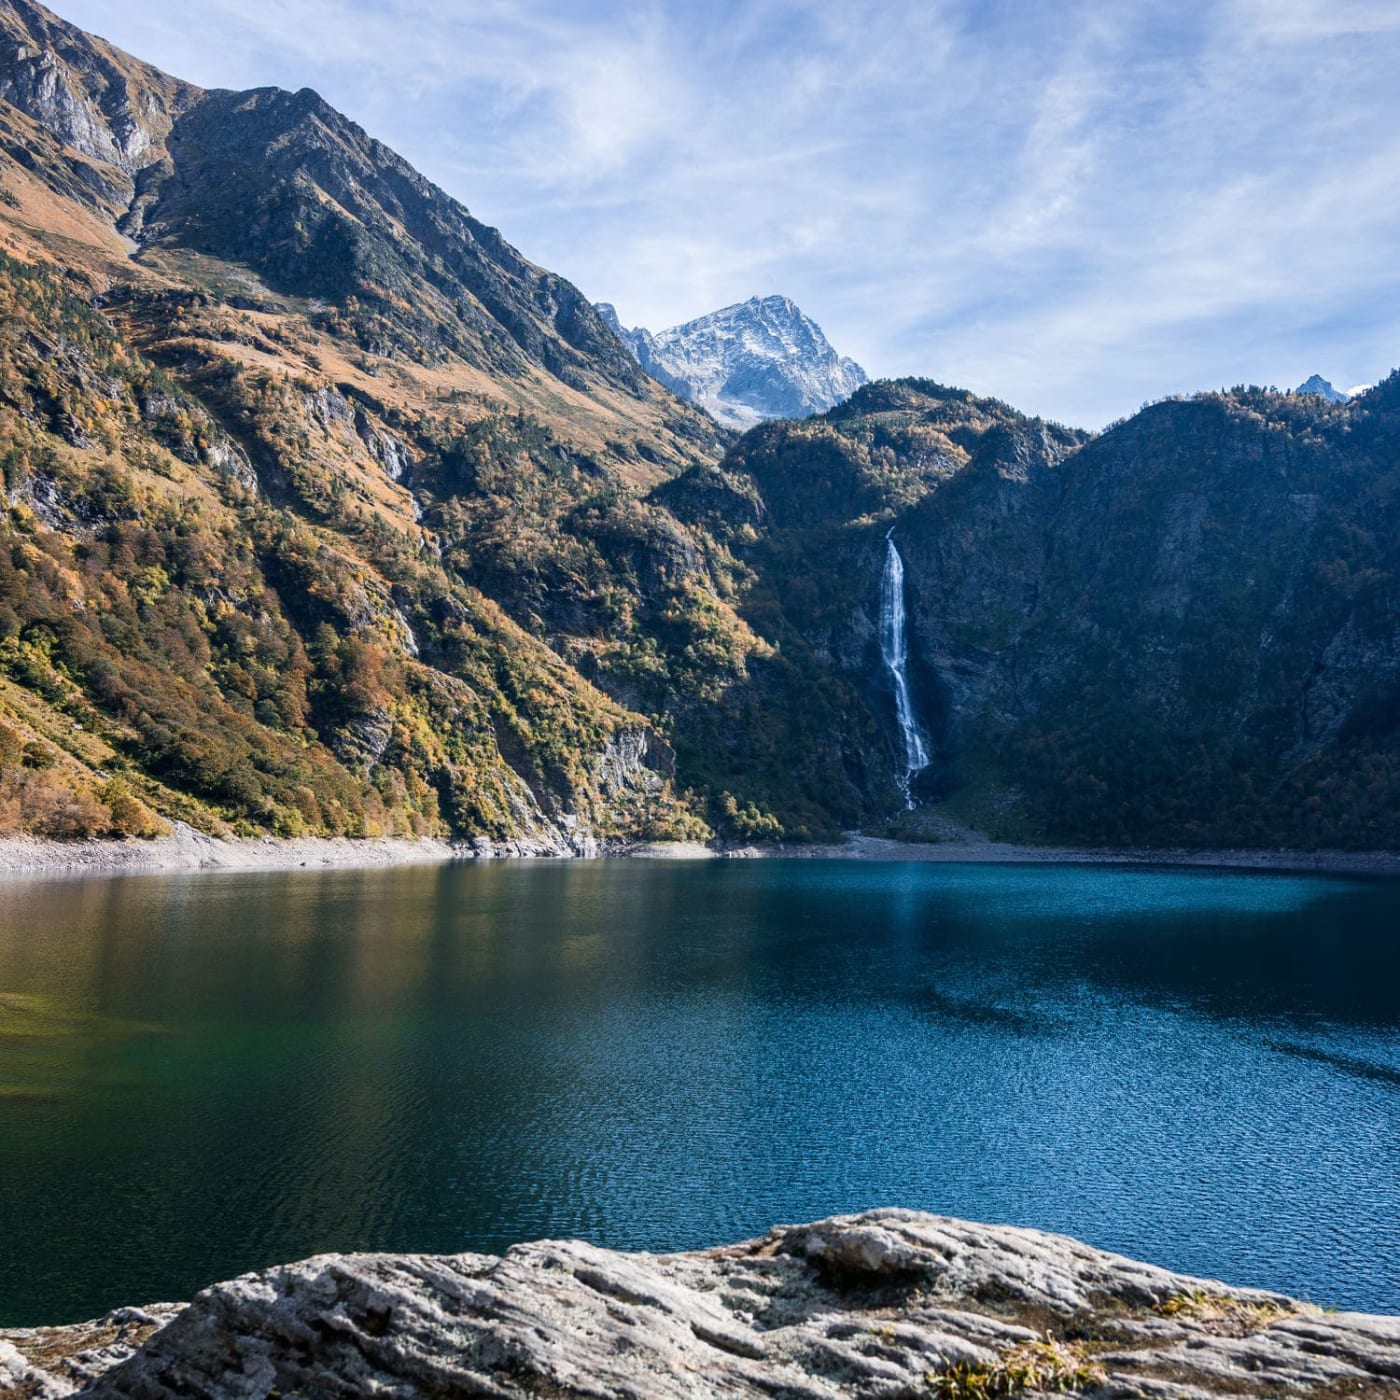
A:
[190, 850]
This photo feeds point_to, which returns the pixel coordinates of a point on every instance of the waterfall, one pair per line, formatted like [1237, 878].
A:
[894, 648]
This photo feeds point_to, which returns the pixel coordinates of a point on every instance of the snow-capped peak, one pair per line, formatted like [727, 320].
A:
[761, 358]
[1316, 384]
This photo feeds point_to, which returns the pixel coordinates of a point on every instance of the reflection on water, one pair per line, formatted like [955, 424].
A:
[203, 1074]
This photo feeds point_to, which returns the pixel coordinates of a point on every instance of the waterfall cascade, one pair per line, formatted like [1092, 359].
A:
[894, 648]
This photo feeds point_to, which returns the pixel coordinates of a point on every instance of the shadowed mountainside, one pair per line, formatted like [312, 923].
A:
[1185, 630]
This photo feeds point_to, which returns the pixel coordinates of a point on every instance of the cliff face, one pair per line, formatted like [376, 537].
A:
[891, 1303]
[1198, 635]
[96, 117]
[1183, 630]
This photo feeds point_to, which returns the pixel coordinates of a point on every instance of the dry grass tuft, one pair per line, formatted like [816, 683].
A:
[1220, 1312]
[1049, 1366]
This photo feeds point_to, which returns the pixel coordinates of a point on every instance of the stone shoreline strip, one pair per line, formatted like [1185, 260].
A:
[188, 849]
[191, 850]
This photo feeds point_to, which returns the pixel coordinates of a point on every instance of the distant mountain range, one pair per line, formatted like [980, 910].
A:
[759, 359]
[325, 510]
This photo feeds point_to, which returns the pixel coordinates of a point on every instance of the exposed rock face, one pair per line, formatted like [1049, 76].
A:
[759, 359]
[630, 755]
[43, 1363]
[109, 113]
[892, 1303]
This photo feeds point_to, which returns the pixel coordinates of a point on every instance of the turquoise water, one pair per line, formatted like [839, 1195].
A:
[203, 1074]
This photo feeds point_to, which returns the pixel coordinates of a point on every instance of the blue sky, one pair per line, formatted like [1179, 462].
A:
[1075, 205]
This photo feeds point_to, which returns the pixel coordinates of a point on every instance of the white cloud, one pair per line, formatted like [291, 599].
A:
[1305, 21]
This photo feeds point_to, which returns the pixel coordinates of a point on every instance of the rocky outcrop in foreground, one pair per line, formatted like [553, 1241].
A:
[892, 1303]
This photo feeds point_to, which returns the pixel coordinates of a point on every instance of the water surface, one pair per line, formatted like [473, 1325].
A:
[202, 1074]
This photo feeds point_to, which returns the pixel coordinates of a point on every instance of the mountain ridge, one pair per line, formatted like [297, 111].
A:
[303, 201]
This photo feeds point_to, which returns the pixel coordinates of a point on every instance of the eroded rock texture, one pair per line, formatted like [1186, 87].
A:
[891, 1303]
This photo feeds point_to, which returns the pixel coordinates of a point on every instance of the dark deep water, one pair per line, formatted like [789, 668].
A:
[203, 1074]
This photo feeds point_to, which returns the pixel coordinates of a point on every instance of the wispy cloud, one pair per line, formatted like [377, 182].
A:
[1074, 206]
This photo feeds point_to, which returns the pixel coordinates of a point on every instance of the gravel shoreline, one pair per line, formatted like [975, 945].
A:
[190, 850]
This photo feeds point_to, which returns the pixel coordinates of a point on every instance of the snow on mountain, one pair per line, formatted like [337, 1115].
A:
[759, 359]
[1316, 384]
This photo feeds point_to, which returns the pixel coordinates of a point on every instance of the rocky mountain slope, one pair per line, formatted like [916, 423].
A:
[275, 412]
[759, 359]
[278, 195]
[887, 1304]
[327, 512]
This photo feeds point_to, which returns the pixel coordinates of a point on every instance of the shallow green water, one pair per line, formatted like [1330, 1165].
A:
[203, 1074]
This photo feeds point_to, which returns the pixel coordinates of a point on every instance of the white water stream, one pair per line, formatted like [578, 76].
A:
[894, 648]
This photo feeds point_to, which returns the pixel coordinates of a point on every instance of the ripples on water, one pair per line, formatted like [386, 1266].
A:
[204, 1074]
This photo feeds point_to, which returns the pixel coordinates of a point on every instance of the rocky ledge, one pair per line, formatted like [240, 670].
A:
[892, 1303]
